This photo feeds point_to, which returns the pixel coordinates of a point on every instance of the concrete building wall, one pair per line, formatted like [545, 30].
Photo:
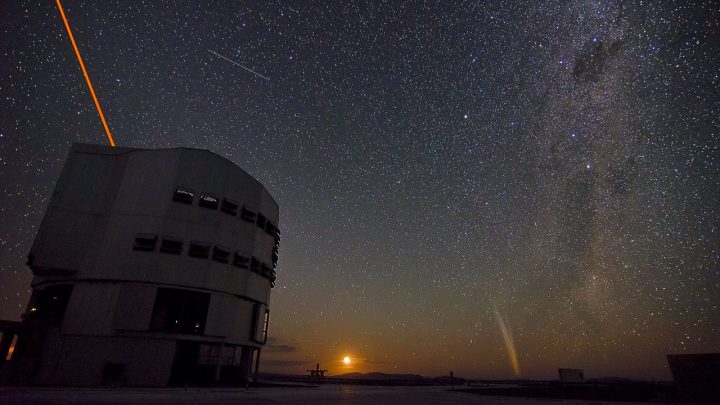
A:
[80, 360]
[134, 307]
[91, 309]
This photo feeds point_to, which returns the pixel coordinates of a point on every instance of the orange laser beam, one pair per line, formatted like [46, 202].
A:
[85, 73]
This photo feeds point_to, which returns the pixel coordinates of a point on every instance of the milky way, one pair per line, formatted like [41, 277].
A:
[556, 161]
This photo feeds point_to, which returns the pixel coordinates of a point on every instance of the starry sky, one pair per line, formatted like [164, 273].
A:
[457, 181]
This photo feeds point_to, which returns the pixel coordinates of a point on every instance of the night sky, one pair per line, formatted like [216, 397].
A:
[444, 172]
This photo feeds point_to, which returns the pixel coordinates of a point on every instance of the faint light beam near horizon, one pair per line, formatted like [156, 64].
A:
[85, 73]
[509, 343]
[235, 63]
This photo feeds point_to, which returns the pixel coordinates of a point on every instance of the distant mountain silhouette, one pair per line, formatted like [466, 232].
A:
[612, 380]
[380, 376]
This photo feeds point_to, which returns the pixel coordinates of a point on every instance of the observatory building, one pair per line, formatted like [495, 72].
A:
[151, 268]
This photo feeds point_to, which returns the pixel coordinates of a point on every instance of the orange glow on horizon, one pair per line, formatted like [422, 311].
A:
[85, 73]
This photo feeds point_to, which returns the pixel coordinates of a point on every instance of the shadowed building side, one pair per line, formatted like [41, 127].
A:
[696, 375]
[151, 268]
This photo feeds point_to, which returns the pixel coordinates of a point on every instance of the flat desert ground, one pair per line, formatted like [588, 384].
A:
[342, 394]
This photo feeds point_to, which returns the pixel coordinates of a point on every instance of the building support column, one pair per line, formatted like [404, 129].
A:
[218, 363]
[246, 364]
[257, 365]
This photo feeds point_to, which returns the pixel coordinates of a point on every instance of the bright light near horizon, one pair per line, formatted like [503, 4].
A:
[347, 360]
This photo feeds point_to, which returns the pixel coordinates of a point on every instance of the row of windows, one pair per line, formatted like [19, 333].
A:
[228, 206]
[147, 242]
[185, 311]
[227, 355]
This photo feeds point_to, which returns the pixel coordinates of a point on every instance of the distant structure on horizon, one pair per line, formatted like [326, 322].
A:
[696, 375]
[571, 375]
[317, 371]
[152, 267]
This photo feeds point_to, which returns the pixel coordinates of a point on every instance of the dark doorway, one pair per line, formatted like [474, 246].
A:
[186, 370]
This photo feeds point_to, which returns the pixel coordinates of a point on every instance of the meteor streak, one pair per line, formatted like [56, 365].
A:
[235, 63]
[509, 343]
[85, 73]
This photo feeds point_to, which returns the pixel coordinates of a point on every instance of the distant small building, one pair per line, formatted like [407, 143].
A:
[571, 375]
[696, 375]
[151, 267]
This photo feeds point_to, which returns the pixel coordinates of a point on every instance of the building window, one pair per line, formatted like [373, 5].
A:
[11, 349]
[171, 244]
[265, 270]
[254, 265]
[180, 311]
[230, 207]
[247, 214]
[199, 249]
[145, 242]
[228, 355]
[241, 261]
[276, 249]
[221, 254]
[270, 228]
[262, 318]
[49, 305]
[208, 201]
[261, 221]
[184, 195]
[208, 354]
